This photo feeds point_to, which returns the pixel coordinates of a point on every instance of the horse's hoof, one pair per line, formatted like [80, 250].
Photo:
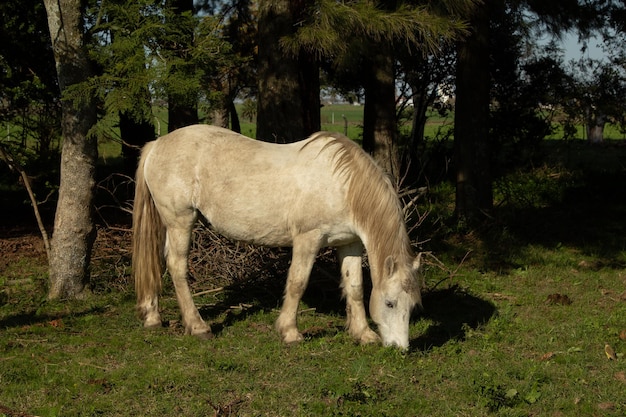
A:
[292, 338]
[207, 335]
[369, 337]
[152, 325]
[202, 331]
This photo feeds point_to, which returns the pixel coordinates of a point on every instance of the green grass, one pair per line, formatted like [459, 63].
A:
[488, 344]
[493, 340]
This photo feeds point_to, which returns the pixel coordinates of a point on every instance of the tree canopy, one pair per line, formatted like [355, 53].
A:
[197, 59]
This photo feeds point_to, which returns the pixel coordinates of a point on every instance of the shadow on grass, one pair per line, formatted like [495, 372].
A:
[263, 291]
[32, 318]
[586, 216]
[453, 311]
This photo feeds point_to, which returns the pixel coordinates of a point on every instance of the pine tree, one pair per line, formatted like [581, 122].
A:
[365, 35]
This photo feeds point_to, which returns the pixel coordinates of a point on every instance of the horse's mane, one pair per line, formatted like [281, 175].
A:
[372, 197]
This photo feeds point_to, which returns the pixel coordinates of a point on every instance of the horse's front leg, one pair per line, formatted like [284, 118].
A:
[178, 242]
[352, 284]
[305, 249]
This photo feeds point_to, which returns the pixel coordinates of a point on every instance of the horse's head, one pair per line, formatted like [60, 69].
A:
[393, 300]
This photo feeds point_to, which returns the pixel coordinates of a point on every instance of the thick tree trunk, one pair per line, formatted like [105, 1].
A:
[182, 111]
[474, 193]
[288, 103]
[219, 117]
[379, 114]
[134, 134]
[182, 107]
[74, 230]
[226, 116]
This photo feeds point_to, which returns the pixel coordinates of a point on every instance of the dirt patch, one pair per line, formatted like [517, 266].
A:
[19, 245]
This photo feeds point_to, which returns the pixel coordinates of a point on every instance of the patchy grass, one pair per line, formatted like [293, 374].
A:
[514, 325]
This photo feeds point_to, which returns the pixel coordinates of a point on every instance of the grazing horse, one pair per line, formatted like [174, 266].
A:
[322, 191]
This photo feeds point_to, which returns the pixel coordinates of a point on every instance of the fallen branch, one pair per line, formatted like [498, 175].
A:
[214, 290]
[440, 265]
[14, 166]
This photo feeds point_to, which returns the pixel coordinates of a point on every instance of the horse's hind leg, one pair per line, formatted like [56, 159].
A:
[178, 243]
[305, 248]
[352, 284]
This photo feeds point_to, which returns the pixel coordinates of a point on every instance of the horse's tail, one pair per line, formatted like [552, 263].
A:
[148, 240]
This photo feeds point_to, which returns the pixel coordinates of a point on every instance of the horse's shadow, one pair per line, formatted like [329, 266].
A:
[263, 291]
[451, 310]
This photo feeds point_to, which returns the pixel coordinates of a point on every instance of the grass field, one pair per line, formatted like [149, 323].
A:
[515, 321]
[348, 119]
[332, 118]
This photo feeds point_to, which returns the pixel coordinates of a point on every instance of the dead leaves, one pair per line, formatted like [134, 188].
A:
[609, 352]
[620, 376]
[13, 413]
[559, 299]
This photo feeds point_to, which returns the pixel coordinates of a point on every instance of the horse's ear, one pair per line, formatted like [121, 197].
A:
[417, 262]
[390, 266]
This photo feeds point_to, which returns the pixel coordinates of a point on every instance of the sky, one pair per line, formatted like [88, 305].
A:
[572, 48]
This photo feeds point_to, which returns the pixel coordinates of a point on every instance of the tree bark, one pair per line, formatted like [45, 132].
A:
[288, 103]
[379, 113]
[595, 127]
[134, 133]
[74, 231]
[474, 193]
[182, 107]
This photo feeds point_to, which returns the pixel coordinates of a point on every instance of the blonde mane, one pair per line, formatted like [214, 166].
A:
[373, 200]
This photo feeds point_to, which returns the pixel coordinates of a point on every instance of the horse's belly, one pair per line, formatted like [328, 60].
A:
[256, 233]
[279, 230]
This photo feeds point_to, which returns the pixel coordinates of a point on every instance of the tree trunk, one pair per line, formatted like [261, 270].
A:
[595, 128]
[288, 103]
[235, 125]
[474, 193]
[134, 134]
[182, 107]
[74, 231]
[379, 113]
[220, 117]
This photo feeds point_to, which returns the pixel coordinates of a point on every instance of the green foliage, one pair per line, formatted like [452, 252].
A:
[30, 109]
[332, 24]
[137, 47]
[596, 93]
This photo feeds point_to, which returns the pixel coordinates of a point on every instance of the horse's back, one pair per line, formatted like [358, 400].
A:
[248, 189]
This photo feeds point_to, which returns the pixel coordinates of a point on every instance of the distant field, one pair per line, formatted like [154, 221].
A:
[339, 117]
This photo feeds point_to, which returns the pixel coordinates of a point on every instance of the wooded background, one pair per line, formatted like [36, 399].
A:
[76, 74]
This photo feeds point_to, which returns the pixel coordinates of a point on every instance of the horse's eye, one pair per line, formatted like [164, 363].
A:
[390, 304]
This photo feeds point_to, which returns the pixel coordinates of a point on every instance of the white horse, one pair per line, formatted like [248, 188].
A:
[323, 191]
